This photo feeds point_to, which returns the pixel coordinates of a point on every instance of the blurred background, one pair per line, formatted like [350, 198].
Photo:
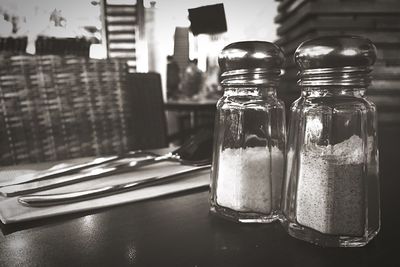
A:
[152, 30]
[81, 77]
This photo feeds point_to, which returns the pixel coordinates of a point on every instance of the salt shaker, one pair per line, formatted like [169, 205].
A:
[331, 188]
[247, 169]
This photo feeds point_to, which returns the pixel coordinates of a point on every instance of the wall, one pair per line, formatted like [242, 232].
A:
[33, 16]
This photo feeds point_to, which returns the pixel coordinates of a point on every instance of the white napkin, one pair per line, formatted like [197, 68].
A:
[12, 211]
[24, 173]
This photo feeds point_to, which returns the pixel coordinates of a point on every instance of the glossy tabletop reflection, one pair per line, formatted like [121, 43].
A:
[177, 230]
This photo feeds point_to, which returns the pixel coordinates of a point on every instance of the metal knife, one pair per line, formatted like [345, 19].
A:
[63, 198]
[50, 173]
[106, 169]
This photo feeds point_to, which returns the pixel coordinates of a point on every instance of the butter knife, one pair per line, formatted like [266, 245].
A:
[71, 169]
[106, 169]
[71, 197]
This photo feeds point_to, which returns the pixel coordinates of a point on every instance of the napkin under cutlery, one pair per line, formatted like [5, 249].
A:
[12, 211]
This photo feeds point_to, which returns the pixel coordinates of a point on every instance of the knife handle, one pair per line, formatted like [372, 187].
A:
[107, 169]
[71, 197]
[75, 168]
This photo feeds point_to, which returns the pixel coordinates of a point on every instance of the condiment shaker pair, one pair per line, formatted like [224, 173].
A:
[322, 184]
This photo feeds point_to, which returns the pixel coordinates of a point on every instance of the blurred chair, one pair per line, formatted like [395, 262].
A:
[146, 123]
[56, 108]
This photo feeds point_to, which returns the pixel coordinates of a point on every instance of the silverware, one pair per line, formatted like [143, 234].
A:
[106, 169]
[48, 174]
[196, 151]
[63, 198]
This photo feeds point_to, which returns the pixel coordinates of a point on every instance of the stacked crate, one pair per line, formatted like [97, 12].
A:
[103, 81]
[377, 20]
[16, 111]
[67, 84]
[54, 108]
[44, 81]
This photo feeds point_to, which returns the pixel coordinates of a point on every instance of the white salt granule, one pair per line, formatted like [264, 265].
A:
[250, 179]
[330, 191]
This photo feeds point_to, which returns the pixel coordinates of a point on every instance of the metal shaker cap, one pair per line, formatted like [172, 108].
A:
[335, 60]
[251, 63]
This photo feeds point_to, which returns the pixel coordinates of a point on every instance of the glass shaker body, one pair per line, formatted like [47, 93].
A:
[248, 160]
[331, 188]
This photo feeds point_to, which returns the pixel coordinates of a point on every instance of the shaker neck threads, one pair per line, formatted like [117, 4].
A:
[341, 61]
[251, 77]
[346, 76]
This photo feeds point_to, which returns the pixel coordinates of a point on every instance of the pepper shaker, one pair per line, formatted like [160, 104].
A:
[247, 169]
[331, 188]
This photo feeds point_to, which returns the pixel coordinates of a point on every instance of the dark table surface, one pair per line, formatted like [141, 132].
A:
[178, 231]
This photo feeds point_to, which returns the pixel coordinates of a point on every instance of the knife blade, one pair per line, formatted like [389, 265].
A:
[109, 168]
[71, 169]
[25, 188]
[71, 197]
